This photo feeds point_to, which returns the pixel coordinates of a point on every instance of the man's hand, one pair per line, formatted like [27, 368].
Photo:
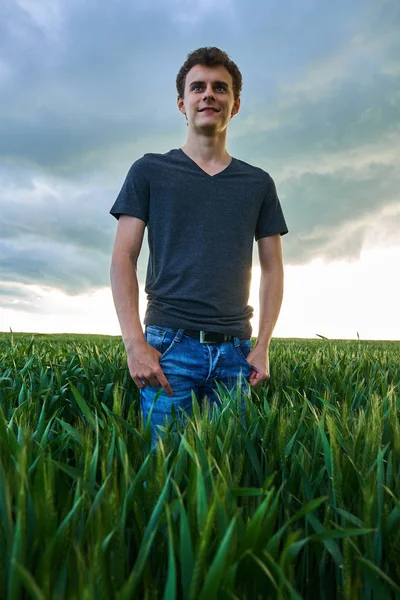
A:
[259, 360]
[143, 363]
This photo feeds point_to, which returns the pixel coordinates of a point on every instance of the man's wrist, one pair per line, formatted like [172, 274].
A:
[132, 341]
[263, 343]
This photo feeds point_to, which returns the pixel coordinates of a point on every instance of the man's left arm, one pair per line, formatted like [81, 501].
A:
[271, 294]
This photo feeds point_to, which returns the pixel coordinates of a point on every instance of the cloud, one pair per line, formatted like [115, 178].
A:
[46, 263]
[191, 12]
[338, 211]
[46, 16]
[55, 233]
[331, 142]
[70, 98]
[88, 89]
[99, 83]
[20, 297]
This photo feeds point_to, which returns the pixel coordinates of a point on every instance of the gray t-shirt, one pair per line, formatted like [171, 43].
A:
[201, 230]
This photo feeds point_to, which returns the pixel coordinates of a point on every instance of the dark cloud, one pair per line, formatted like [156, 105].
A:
[32, 260]
[59, 142]
[93, 78]
[74, 218]
[51, 264]
[15, 297]
[12, 292]
[83, 91]
[88, 88]
[57, 234]
[331, 214]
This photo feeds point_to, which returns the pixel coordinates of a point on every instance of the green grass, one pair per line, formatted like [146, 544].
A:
[302, 502]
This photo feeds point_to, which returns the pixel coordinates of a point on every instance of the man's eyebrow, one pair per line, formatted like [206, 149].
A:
[215, 82]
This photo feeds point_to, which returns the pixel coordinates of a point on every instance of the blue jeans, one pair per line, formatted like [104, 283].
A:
[190, 365]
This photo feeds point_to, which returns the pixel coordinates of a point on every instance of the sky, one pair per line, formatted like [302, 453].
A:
[88, 88]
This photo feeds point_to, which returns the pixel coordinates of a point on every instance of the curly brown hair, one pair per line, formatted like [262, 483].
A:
[209, 56]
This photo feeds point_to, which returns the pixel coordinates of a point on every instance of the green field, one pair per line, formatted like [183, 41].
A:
[303, 502]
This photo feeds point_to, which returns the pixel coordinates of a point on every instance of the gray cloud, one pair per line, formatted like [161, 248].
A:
[87, 79]
[51, 264]
[332, 144]
[87, 89]
[15, 297]
[64, 216]
[57, 233]
[81, 93]
[339, 211]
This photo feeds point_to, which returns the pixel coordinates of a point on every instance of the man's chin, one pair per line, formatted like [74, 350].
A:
[208, 128]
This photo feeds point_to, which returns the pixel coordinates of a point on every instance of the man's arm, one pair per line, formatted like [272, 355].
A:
[271, 293]
[143, 359]
[123, 274]
[271, 286]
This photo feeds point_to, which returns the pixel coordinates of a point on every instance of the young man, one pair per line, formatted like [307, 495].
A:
[203, 208]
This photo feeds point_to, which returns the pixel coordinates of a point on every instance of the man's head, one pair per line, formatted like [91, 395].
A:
[209, 56]
[209, 78]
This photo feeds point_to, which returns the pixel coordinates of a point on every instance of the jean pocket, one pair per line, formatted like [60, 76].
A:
[162, 339]
[243, 350]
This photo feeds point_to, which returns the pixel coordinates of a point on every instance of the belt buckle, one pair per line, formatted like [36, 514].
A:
[203, 338]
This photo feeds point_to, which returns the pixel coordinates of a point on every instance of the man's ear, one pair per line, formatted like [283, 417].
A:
[235, 108]
[181, 104]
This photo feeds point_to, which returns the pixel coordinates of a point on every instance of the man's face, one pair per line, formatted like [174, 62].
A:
[208, 87]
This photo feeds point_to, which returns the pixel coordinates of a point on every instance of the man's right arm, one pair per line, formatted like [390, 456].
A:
[142, 358]
[124, 282]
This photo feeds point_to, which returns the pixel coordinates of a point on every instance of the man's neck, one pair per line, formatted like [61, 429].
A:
[207, 150]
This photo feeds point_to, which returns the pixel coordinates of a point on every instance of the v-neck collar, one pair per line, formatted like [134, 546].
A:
[202, 170]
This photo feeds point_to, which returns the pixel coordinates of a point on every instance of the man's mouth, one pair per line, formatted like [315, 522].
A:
[209, 108]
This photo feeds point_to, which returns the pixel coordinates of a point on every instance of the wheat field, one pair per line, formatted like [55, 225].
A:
[301, 502]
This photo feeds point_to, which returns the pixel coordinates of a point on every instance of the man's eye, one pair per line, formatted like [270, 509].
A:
[199, 87]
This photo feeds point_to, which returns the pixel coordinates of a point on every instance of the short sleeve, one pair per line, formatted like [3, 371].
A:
[270, 220]
[133, 199]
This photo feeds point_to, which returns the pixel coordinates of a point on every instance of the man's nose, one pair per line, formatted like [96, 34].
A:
[209, 91]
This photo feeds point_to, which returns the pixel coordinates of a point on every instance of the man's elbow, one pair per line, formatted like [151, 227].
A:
[122, 258]
[272, 268]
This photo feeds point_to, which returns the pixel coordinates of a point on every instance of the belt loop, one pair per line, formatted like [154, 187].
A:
[179, 335]
[236, 341]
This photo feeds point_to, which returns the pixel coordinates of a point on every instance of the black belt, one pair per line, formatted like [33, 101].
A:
[206, 337]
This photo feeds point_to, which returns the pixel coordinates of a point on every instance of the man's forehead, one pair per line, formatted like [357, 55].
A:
[200, 72]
